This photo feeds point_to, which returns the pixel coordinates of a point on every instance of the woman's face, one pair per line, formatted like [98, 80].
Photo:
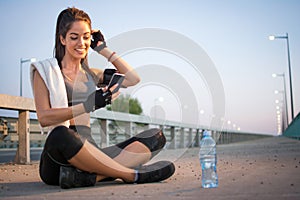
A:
[77, 40]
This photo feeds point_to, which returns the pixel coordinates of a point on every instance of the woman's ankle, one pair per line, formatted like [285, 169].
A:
[131, 178]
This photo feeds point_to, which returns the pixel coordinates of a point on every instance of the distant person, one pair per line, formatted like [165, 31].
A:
[65, 93]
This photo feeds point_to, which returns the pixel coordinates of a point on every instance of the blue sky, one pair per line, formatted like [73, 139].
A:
[233, 33]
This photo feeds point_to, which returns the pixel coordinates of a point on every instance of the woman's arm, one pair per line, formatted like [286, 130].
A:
[48, 116]
[131, 77]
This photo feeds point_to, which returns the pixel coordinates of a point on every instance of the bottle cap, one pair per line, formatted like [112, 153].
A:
[207, 133]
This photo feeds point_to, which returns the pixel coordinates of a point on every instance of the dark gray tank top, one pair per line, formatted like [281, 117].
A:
[79, 89]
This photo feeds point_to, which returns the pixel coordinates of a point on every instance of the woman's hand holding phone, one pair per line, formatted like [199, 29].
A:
[114, 85]
[118, 79]
[115, 94]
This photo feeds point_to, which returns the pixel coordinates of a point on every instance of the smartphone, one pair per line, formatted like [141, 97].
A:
[116, 78]
[107, 75]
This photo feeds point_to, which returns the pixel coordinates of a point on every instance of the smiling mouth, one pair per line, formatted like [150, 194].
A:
[80, 50]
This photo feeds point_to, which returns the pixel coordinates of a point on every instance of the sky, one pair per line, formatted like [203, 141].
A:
[230, 37]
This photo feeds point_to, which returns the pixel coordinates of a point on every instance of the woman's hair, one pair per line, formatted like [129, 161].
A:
[64, 22]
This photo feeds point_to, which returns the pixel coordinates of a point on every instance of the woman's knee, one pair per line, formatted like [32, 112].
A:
[159, 136]
[65, 141]
[154, 139]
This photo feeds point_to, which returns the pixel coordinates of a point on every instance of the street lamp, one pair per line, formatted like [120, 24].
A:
[279, 113]
[283, 109]
[284, 93]
[21, 75]
[273, 37]
[280, 118]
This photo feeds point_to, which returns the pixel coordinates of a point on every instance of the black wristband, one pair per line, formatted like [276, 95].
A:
[100, 47]
[98, 99]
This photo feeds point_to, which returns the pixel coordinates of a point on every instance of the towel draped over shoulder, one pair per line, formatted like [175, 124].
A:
[53, 78]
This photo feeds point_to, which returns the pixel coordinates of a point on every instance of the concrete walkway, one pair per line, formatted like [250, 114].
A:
[260, 169]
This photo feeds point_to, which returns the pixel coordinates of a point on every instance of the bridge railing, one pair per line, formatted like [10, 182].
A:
[114, 127]
[179, 135]
[24, 106]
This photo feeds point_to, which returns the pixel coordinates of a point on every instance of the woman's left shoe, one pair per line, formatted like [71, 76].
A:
[155, 172]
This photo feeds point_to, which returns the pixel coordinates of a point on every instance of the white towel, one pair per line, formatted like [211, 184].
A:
[53, 78]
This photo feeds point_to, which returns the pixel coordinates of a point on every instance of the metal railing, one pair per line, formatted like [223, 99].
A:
[179, 135]
[110, 127]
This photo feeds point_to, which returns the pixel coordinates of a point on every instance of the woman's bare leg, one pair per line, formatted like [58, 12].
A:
[139, 152]
[90, 159]
[133, 155]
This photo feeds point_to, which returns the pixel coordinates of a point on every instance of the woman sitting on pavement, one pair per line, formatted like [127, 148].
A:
[65, 93]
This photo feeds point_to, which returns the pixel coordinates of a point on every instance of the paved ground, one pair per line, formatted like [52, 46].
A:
[261, 169]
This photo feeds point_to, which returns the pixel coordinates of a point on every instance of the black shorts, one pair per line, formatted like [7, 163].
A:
[63, 143]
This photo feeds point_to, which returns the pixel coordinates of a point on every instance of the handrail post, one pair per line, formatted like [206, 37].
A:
[23, 152]
[182, 137]
[173, 138]
[104, 133]
[128, 129]
[190, 144]
[197, 138]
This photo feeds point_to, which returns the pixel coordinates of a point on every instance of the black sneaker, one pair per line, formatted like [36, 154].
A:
[155, 172]
[70, 177]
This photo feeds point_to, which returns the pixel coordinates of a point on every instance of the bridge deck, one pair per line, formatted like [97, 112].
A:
[267, 168]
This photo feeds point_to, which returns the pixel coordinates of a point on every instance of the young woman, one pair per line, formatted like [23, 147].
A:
[65, 93]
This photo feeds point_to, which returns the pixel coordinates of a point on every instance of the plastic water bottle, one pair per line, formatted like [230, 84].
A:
[208, 161]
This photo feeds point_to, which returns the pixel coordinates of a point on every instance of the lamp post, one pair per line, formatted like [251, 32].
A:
[21, 71]
[273, 37]
[284, 93]
[284, 111]
[281, 125]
